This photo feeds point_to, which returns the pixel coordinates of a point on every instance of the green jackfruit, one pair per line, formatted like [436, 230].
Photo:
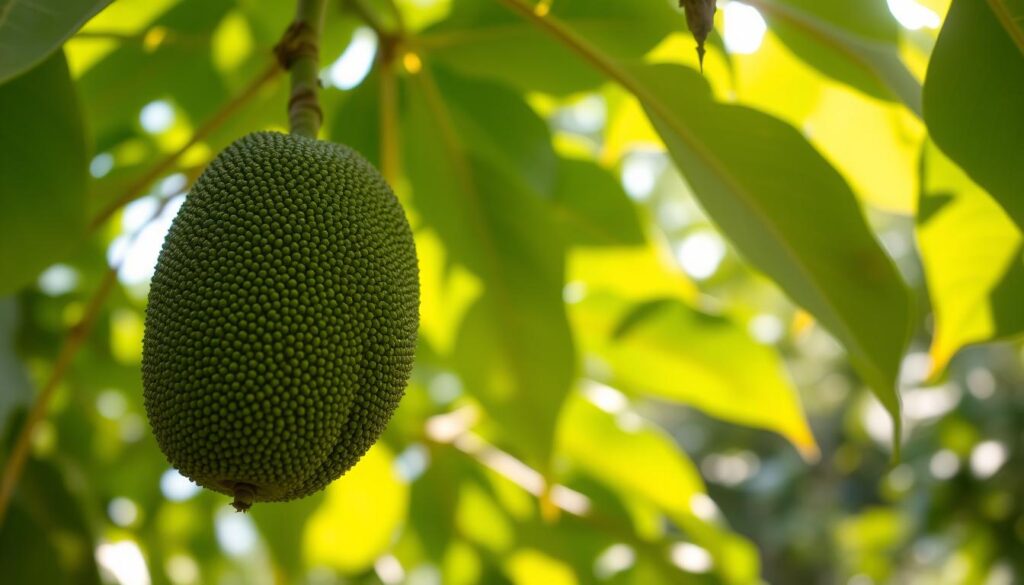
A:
[282, 319]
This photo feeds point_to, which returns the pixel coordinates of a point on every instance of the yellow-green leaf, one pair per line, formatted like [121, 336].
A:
[360, 517]
[972, 98]
[600, 436]
[972, 256]
[677, 353]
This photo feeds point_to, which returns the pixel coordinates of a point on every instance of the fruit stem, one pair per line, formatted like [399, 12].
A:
[299, 53]
[244, 496]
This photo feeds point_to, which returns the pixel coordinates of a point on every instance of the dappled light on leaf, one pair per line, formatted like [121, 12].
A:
[360, 516]
[973, 260]
[671, 301]
[677, 353]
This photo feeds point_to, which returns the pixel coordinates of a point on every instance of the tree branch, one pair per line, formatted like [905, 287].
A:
[389, 140]
[72, 343]
[453, 429]
[138, 187]
[299, 53]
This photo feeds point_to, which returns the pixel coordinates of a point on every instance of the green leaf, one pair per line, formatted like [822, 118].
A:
[482, 39]
[26, 550]
[282, 526]
[789, 213]
[973, 262]
[591, 438]
[600, 436]
[592, 207]
[502, 127]
[356, 119]
[44, 170]
[1011, 15]
[653, 272]
[434, 500]
[360, 517]
[853, 42]
[869, 19]
[45, 503]
[668, 350]
[528, 566]
[972, 101]
[786, 210]
[31, 30]
[514, 350]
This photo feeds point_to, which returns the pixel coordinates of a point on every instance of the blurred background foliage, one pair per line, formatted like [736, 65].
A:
[614, 383]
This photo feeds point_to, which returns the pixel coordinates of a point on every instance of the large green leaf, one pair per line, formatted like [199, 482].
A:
[514, 350]
[670, 351]
[588, 200]
[973, 262]
[30, 30]
[517, 138]
[482, 39]
[789, 213]
[44, 170]
[972, 102]
[783, 206]
[853, 42]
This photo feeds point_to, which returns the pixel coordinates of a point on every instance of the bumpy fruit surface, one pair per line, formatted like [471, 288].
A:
[282, 319]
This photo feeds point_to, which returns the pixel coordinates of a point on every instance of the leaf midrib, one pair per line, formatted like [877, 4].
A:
[1014, 27]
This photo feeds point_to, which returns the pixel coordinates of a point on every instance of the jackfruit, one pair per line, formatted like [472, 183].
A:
[282, 319]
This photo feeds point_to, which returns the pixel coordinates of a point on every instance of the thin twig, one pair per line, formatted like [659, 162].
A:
[72, 343]
[137, 188]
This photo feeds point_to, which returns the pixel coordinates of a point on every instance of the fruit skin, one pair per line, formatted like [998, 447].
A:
[282, 319]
